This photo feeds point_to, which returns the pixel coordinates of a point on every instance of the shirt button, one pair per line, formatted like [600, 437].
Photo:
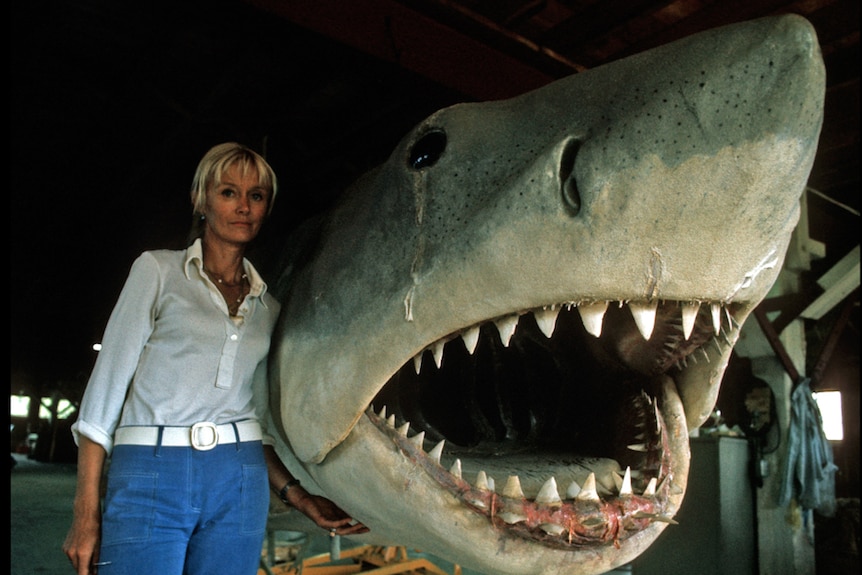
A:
[233, 337]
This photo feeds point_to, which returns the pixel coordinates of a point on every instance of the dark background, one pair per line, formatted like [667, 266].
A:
[113, 103]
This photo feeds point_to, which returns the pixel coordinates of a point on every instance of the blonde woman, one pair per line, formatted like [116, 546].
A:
[178, 400]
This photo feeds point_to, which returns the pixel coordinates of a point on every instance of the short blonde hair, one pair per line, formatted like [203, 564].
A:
[216, 162]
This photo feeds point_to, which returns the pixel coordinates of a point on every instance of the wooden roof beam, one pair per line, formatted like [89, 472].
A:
[392, 32]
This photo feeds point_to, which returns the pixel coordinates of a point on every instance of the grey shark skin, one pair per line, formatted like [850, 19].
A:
[640, 210]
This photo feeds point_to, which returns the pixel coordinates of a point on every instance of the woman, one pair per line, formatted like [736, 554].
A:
[178, 398]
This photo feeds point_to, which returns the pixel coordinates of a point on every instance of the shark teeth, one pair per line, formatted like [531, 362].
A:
[644, 314]
[715, 309]
[506, 326]
[512, 489]
[547, 511]
[436, 453]
[511, 517]
[592, 314]
[689, 314]
[471, 338]
[548, 494]
[588, 491]
[546, 319]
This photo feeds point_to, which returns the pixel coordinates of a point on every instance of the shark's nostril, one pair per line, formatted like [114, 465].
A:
[568, 182]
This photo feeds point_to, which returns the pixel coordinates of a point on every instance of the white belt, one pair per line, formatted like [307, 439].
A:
[202, 436]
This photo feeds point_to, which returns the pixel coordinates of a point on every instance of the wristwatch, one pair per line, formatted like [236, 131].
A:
[283, 493]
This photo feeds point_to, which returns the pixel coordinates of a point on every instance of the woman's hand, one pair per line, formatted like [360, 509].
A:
[82, 544]
[324, 512]
[319, 509]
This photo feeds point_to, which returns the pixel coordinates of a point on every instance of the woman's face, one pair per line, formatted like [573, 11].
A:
[236, 207]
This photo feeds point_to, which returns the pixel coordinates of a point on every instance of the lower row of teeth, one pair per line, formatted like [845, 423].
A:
[548, 497]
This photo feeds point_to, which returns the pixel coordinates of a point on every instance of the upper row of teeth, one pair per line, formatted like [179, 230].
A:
[592, 315]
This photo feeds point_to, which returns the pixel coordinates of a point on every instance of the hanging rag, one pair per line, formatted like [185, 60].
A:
[809, 472]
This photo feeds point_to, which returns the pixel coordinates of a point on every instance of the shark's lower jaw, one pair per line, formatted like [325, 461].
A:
[570, 432]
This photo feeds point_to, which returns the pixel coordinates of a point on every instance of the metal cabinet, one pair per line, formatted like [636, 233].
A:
[716, 533]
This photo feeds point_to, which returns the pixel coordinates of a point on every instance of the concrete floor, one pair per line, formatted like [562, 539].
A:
[41, 497]
[41, 509]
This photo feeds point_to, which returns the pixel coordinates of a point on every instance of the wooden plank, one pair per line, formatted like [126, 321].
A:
[838, 282]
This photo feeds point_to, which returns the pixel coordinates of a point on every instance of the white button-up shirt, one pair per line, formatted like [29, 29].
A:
[172, 354]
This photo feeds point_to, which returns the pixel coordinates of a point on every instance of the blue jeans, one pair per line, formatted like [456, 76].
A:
[180, 511]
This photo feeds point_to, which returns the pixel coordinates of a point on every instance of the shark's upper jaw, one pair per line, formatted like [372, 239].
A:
[561, 424]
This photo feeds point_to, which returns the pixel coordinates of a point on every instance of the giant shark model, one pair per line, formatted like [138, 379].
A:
[494, 347]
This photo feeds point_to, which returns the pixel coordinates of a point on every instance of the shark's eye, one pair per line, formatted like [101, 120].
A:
[427, 150]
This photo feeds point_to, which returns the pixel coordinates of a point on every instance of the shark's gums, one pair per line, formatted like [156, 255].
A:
[494, 347]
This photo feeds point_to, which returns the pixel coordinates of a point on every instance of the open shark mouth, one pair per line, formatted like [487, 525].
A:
[562, 424]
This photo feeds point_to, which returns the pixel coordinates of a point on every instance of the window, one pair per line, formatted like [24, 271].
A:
[829, 403]
[19, 406]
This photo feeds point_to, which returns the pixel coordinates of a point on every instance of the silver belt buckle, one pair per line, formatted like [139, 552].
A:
[204, 435]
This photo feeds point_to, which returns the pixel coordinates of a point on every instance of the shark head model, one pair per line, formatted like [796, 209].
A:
[493, 348]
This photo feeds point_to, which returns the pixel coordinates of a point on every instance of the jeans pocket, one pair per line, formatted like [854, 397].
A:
[255, 498]
[129, 507]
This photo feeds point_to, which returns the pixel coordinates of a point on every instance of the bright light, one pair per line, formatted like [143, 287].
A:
[19, 405]
[97, 347]
[829, 403]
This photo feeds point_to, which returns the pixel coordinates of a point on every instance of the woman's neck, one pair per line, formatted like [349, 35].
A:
[223, 262]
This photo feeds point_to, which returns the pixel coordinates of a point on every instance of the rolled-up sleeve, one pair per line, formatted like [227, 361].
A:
[128, 328]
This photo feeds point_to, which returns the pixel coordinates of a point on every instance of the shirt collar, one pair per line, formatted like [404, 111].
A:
[195, 257]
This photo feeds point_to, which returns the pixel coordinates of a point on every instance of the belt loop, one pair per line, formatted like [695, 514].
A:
[161, 432]
[236, 434]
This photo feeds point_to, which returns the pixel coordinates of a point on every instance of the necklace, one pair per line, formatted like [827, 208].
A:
[219, 279]
[228, 290]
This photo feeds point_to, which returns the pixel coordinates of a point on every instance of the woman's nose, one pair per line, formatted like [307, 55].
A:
[242, 204]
